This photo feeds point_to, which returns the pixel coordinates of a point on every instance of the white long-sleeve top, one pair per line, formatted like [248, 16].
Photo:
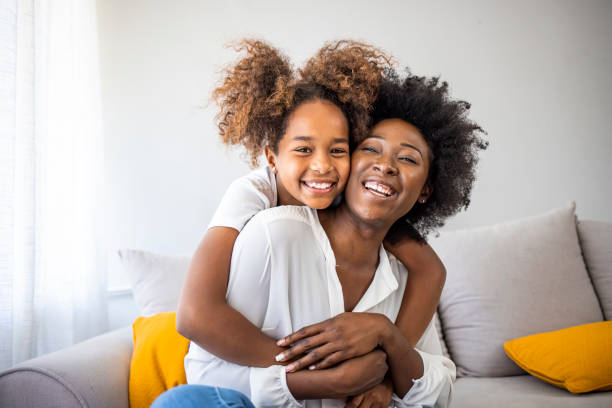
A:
[283, 277]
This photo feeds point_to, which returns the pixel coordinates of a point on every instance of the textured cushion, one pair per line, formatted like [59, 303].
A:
[157, 360]
[596, 242]
[156, 280]
[521, 391]
[578, 358]
[511, 280]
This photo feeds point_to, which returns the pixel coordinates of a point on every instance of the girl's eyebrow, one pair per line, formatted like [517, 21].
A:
[308, 139]
[401, 144]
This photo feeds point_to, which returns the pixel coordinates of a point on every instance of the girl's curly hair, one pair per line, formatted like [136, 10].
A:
[453, 139]
[261, 90]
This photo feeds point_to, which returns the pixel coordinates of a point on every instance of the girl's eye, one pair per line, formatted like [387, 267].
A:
[303, 150]
[338, 151]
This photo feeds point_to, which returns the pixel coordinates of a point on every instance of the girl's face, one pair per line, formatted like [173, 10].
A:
[389, 173]
[312, 162]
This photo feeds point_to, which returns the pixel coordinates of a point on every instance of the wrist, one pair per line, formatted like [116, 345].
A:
[315, 384]
[385, 331]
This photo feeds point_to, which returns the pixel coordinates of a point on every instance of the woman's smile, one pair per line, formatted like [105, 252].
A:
[389, 172]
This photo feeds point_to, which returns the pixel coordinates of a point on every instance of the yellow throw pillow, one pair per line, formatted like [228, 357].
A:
[578, 358]
[157, 359]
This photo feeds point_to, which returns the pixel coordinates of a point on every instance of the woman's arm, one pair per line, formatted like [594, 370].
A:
[356, 333]
[426, 279]
[203, 314]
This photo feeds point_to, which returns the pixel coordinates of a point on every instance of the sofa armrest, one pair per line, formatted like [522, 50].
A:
[94, 373]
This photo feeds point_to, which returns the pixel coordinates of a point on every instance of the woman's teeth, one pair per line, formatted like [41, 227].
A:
[318, 186]
[379, 189]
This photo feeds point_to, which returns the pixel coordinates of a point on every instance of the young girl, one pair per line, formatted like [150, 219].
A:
[305, 126]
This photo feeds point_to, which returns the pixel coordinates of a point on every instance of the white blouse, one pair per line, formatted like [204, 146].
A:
[282, 278]
[244, 198]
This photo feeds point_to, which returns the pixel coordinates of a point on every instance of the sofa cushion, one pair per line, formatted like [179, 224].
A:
[522, 391]
[156, 280]
[596, 242]
[511, 280]
[578, 358]
[157, 359]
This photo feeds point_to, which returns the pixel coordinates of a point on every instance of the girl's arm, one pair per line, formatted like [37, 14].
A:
[203, 314]
[426, 277]
[250, 296]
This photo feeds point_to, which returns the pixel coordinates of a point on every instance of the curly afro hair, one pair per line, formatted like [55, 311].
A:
[453, 139]
[261, 90]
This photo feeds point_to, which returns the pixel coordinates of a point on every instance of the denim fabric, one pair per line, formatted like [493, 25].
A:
[201, 396]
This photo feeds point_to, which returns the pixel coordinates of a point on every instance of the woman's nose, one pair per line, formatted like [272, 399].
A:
[385, 167]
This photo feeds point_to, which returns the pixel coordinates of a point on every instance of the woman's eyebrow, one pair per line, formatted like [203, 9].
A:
[401, 144]
[413, 147]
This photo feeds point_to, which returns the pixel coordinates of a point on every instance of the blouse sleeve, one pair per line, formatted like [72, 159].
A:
[434, 388]
[244, 198]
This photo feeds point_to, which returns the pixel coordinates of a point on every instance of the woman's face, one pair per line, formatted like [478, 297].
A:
[389, 172]
[312, 161]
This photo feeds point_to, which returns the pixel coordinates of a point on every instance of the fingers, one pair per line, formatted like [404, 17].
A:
[355, 401]
[332, 359]
[300, 348]
[311, 358]
[300, 334]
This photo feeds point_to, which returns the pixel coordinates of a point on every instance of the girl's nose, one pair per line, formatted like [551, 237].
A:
[321, 164]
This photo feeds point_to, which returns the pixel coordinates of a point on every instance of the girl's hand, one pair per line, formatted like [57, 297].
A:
[355, 376]
[377, 397]
[334, 340]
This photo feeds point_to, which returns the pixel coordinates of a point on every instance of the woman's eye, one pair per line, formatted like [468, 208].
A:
[303, 150]
[407, 159]
[369, 149]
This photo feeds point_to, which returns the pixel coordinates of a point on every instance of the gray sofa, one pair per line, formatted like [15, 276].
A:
[95, 373]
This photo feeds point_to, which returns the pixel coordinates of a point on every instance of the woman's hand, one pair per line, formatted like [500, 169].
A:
[377, 397]
[332, 341]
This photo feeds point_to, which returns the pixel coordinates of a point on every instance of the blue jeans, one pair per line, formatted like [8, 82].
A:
[201, 396]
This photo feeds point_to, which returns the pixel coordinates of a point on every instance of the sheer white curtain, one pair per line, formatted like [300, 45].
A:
[52, 241]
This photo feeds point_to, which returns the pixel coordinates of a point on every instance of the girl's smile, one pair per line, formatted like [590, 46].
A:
[312, 160]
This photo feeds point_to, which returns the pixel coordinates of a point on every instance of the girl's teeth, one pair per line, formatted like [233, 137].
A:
[320, 186]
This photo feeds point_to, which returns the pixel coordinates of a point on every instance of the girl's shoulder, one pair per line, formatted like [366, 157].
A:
[259, 181]
[245, 197]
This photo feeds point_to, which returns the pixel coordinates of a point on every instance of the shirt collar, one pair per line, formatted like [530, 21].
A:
[383, 284]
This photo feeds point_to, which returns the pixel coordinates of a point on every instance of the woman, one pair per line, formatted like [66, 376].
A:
[294, 267]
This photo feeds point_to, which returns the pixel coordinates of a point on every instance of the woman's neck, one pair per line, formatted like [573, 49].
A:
[354, 242]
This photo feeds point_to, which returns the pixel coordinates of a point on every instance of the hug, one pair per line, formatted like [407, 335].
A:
[314, 278]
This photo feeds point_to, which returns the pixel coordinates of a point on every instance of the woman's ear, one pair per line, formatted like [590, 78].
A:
[425, 193]
[271, 158]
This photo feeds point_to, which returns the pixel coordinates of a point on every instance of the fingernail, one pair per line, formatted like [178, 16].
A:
[312, 367]
[290, 368]
[279, 357]
[280, 342]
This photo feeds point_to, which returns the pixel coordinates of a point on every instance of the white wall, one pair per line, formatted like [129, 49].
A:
[536, 73]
